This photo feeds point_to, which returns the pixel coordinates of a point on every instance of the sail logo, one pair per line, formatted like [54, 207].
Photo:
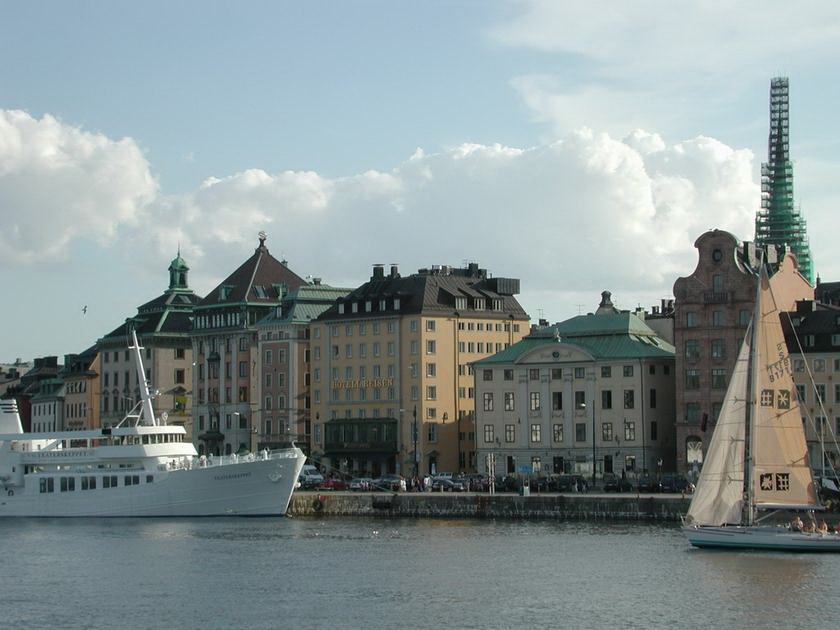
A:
[774, 482]
[778, 398]
[779, 369]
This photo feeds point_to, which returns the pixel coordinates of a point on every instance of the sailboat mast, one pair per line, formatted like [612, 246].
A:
[751, 380]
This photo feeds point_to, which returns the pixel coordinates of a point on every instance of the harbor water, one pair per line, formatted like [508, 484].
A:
[396, 573]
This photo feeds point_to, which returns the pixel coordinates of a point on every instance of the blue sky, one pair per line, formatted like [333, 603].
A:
[578, 147]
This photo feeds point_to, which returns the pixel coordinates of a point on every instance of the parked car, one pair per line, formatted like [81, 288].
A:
[392, 483]
[506, 483]
[672, 482]
[309, 477]
[332, 484]
[571, 483]
[478, 482]
[647, 483]
[614, 483]
[539, 484]
[442, 475]
[360, 484]
[447, 485]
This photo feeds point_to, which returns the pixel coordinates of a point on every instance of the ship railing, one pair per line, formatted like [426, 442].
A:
[214, 461]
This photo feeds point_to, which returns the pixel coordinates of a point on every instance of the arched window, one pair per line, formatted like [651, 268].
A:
[694, 451]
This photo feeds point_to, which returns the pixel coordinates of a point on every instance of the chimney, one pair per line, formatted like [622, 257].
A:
[378, 272]
[394, 271]
[316, 281]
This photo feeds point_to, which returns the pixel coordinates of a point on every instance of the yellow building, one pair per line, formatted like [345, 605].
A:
[392, 385]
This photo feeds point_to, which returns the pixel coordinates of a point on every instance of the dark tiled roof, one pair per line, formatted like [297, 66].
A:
[260, 270]
[428, 293]
[822, 323]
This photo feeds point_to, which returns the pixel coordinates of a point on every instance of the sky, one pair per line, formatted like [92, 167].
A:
[580, 147]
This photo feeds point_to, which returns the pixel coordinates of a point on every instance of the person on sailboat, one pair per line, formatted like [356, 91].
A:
[796, 525]
[823, 528]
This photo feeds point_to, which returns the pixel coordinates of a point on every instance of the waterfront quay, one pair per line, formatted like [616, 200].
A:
[558, 506]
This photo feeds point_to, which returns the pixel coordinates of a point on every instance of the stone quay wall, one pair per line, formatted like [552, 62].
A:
[621, 507]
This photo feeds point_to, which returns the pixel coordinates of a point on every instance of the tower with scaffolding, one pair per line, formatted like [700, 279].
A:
[779, 221]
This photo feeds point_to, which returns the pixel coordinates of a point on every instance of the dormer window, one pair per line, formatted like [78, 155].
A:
[479, 304]
[497, 304]
[461, 303]
[381, 305]
[341, 308]
[260, 291]
[355, 307]
[396, 304]
[224, 292]
[368, 306]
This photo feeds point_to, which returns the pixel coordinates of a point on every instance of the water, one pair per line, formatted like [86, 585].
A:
[366, 573]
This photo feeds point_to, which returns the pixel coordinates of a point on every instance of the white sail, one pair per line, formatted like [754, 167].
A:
[781, 471]
[719, 496]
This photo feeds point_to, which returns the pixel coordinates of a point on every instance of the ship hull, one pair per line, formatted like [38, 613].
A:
[761, 538]
[262, 487]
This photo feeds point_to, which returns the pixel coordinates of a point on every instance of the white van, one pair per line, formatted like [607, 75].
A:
[309, 476]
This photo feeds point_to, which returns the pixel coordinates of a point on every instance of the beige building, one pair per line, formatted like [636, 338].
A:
[392, 384]
[162, 326]
[591, 395]
[81, 390]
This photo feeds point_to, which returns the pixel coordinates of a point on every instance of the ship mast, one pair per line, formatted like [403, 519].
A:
[751, 384]
[146, 408]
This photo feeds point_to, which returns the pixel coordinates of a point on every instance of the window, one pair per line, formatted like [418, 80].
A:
[509, 401]
[430, 325]
[606, 432]
[692, 349]
[629, 463]
[432, 431]
[718, 318]
[837, 392]
[580, 400]
[691, 320]
[534, 374]
[580, 372]
[414, 346]
[392, 326]
[535, 401]
[580, 432]
[820, 389]
[392, 348]
[180, 375]
[718, 349]
[627, 370]
[606, 371]
[652, 402]
[629, 399]
[692, 412]
[487, 375]
[652, 369]
[508, 375]
[606, 399]
[510, 433]
[431, 370]
[556, 401]
[692, 378]
[536, 433]
[629, 431]
[488, 401]
[819, 365]
[348, 350]
[556, 374]
[488, 433]
[431, 392]
[557, 432]
[654, 430]
[718, 378]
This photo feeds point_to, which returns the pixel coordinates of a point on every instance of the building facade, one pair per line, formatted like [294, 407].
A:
[713, 308]
[812, 333]
[162, 327]
[285, 372]
[225, 347]
[392, 385]
[591, 395]
[81, 390]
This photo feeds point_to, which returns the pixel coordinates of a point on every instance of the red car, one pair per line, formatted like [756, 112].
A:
[332, 484]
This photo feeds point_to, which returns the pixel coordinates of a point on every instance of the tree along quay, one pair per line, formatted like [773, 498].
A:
[612, 507]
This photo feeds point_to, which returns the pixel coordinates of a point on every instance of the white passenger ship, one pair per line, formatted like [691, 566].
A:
[142, 467]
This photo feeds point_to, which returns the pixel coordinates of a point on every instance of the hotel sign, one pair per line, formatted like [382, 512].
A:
[363, 383]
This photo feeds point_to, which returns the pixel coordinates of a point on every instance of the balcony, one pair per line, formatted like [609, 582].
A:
[715, 297]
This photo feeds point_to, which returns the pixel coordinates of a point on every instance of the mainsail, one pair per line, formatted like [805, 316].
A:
[720, 489]
[781, 473]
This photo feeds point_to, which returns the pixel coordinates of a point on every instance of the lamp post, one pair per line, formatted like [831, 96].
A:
[593, 439]
[414, 436]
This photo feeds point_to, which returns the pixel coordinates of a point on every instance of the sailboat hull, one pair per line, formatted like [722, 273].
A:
[766, 538]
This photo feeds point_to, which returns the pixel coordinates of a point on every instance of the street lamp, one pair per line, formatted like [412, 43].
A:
[583, 406]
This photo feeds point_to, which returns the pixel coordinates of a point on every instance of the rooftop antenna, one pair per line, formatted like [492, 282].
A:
[580, 308]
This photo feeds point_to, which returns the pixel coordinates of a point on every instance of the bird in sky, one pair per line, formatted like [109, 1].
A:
[84, 310]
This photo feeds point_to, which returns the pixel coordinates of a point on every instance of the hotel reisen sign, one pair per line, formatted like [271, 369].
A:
[363, 383]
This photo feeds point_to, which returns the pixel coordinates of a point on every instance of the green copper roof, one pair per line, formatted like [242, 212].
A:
[603, 336]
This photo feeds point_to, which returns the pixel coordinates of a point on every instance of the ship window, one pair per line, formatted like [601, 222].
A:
[127, 480]
[150, 478]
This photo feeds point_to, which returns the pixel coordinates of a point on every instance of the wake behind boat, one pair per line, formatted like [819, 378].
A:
[757, 462]
[142, 467]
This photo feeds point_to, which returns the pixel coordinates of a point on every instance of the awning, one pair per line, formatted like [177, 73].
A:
[211, 436]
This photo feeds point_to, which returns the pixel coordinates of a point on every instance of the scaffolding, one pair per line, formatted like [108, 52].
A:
[779, 221]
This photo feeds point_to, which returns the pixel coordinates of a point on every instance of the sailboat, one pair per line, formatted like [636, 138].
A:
[757, 461]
